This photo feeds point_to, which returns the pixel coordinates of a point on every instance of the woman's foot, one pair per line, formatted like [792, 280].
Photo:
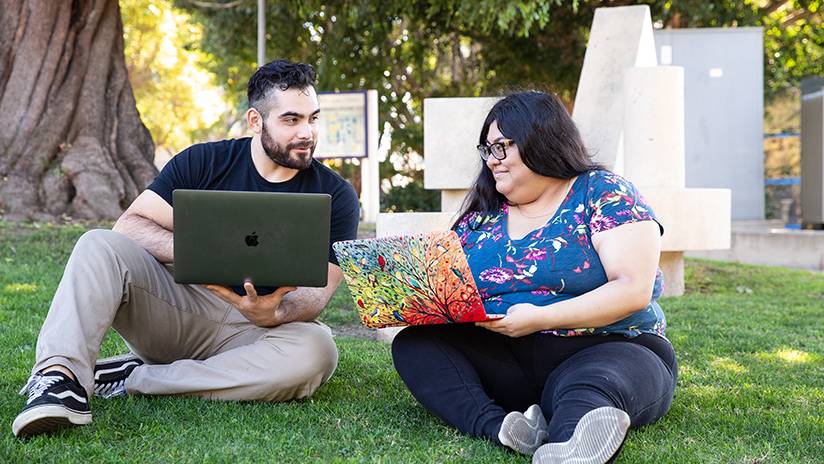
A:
[596, 439]
[524, 432]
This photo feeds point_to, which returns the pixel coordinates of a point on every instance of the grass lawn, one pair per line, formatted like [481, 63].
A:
[750, 342]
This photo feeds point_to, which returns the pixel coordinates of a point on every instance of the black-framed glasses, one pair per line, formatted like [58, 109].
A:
[497, 150]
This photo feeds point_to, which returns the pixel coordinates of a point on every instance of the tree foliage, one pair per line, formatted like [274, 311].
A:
[406, 50]
[410, 50]
[176, 97]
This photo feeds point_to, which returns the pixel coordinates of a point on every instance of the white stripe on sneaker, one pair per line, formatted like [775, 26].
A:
[122, 367]
[64, 394]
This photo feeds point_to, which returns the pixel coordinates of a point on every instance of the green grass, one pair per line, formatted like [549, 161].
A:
[751, 389]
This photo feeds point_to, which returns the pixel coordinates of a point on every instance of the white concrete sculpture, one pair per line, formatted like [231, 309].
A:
[451, 128]
[620, 38]
[631, 116]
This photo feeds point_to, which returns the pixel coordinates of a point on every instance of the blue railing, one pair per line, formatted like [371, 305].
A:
[782, 135]
[783, 181]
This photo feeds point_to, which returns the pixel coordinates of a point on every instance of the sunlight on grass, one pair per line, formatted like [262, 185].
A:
[727, 364]
[705, 392]
[789, 355]
[20, 288]
[685, 372]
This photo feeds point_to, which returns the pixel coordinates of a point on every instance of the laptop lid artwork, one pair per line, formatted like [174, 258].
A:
[411, 280]
[274, 239]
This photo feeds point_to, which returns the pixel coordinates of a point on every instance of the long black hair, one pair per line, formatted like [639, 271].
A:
[548, 141]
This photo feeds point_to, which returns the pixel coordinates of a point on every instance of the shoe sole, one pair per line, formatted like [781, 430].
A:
[521, 433]
[49, 418]
[596, 439]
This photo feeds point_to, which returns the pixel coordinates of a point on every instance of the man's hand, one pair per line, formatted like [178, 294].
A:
[260, 310]
[521, 319]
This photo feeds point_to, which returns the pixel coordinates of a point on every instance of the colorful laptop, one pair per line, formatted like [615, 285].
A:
[411, 280]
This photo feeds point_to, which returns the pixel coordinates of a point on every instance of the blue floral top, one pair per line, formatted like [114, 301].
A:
[557, 261]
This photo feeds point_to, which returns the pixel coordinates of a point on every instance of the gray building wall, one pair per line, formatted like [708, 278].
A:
[812, 152]
[724, 106]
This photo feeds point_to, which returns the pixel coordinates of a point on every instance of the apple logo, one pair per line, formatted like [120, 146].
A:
[252, 240]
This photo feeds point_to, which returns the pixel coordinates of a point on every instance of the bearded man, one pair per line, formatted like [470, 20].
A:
[208, 341]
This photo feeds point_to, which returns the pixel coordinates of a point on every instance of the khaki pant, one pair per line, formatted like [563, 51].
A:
[193, 342]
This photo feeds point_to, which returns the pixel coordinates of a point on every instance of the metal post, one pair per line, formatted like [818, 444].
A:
[370, 167]
[261, 38]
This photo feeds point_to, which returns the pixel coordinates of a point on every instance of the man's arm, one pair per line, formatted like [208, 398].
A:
[306, 303]
[286, 304]
[149, 222]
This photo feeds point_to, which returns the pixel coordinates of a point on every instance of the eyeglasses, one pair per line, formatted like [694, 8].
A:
[497, 149]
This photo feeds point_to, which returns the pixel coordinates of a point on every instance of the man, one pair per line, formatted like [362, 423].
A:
[206, 341]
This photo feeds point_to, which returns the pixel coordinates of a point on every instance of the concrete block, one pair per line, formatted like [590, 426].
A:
[693, 219]
[452, 200]
[451, 127]
[620, 38]
[771, 245]
[654, 126]
[391, 224]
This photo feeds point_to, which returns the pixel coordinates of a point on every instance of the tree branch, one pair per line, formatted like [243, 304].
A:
[772, 7]
[216, 5]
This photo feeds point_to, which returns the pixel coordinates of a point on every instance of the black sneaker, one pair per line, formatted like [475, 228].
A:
[110, 375]
[55, 401]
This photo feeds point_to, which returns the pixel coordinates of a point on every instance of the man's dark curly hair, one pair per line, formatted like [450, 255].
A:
[279, 74]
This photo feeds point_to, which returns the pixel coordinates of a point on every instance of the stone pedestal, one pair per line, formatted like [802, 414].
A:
[672, 265]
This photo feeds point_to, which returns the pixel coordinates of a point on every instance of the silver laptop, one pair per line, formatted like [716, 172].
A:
[274, 239]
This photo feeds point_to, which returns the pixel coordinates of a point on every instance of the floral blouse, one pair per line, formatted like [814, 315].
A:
[557, 261]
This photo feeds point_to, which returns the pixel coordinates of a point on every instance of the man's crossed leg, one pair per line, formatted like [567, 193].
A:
[192, 342]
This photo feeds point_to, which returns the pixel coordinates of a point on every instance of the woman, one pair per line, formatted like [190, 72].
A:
[569, 252]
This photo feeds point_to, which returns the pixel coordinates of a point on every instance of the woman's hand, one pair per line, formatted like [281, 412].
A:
[521, 319]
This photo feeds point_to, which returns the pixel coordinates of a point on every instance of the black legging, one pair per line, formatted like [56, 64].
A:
[471, 377]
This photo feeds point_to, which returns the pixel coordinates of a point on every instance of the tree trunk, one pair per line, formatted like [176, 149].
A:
[71, 140]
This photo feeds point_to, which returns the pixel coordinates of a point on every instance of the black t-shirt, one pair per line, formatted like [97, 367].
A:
[227, 165]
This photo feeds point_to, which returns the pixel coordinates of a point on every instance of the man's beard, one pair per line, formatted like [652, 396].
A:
[283, 156]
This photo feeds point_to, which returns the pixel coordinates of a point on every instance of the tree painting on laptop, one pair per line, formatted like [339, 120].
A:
[410, 280]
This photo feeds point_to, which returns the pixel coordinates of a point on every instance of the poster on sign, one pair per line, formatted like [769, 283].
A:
[342, 125]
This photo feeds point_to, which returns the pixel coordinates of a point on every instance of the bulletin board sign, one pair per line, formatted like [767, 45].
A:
[342, 129]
